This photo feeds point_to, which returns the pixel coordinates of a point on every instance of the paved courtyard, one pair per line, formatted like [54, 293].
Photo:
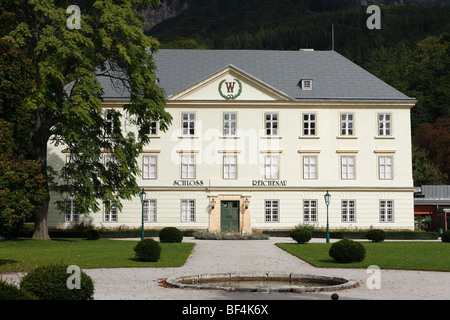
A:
[212, 256]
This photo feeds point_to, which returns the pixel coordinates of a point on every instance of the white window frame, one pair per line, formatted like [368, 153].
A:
[230, 167]
[187, 210]
[385, 167]
[109, 122]
[188, 166]
[153, 129]
[109, 158]
[189, 129]
[347, 124]
[110, 215]
[229, 124]
[150, 210]
[309, 210]
[272, 167]
[386, 211]
[309, 126]
[150, 167]
[310, 167]
[306, 84]
[271, 126]
[348, 170]
[384, 124]
[272, 210]
[348, 211]
[73, 215]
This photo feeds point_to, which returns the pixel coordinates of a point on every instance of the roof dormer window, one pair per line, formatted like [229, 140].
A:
[306, 84]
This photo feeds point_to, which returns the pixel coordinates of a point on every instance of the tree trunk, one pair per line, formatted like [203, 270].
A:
[40, 149]
[40, 224]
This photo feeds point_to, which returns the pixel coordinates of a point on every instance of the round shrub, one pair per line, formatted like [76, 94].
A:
[446, 236]
[9, 291]
[376, 235]
[170, 234]
[301, 235]
[51, 283]
[347, 251]
[92, 234]
[148, 250]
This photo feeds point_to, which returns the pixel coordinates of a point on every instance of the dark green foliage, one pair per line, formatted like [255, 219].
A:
[148, 250]
[376, 235]
[301, 235]
[446, 236]
[170, 234]
[92, 234]
[9, 291]
[346, 251]
[50, 283]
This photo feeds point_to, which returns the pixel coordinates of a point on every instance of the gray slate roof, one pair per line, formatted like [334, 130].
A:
[334, 76]
[433, 194]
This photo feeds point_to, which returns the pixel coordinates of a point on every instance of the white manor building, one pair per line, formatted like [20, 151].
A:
[259, 137]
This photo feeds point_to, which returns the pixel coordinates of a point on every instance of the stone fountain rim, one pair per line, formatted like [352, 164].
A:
[341, 283]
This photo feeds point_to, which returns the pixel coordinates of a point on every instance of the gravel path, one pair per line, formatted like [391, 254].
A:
[257, 256]
[260, 256]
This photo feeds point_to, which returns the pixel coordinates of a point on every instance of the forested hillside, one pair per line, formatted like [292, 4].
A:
[410, 52]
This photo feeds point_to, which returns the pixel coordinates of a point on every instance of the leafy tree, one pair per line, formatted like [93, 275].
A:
[435, 139]
[67, 65]
[21, 183]
[424, 172]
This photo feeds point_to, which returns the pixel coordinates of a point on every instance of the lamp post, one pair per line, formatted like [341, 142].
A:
[142, 196]
[327, 197]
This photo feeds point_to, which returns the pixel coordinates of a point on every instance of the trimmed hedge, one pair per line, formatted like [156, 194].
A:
[148, 250]
[376, 235]
[170, 235]
[347, 251]
[390, 235]
[446, 236]
[50, 283]
[9, 291]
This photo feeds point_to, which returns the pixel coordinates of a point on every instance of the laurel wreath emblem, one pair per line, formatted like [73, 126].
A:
[230, 96]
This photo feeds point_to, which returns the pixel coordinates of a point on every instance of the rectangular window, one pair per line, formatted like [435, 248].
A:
[384, 124]
[188, 124]
[110, 162]
[230, 167]
[150, 210]
[386, 211]
[309, 210]
[309, 124]
[72, 215]
[149, 166]
[188, 167]
[110, 215]
[229, 124]
[347, 167]
[109, 122]
[310, 167]
[187, 210]
[271, 124]
[385, 167]
[271, 167]
[272, 211]
[347, 124]
[348, 210]
[153, 128]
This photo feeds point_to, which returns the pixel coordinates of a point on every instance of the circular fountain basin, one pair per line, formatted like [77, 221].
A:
[264, 282]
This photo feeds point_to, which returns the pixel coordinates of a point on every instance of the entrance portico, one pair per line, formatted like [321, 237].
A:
[229, 213]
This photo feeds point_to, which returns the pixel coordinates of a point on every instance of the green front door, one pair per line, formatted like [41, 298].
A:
[229, 216]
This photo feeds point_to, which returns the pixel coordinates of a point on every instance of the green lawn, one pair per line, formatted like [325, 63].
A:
[387, 255]
[25, 255]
